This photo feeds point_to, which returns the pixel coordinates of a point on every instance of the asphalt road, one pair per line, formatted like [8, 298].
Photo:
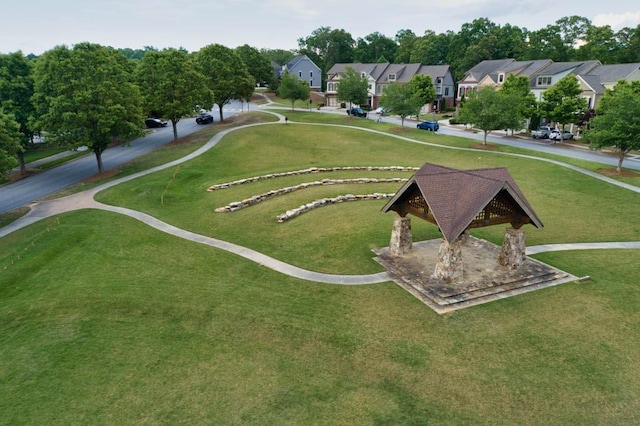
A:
[39, 185]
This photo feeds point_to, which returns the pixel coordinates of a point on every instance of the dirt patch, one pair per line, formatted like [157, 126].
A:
[13, 177]
[623, 173]
[100, 176]
[487, 147]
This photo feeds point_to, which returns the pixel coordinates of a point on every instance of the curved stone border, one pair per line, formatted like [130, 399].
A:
[290, 214]
[237, 205]
[312, 170]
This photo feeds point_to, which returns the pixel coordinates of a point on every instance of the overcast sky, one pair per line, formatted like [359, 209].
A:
[38, 25]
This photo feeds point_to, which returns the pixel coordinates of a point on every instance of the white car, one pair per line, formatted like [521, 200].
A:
[381, 111]
[555, 135]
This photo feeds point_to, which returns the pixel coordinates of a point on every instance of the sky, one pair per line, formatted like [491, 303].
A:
[38, 25]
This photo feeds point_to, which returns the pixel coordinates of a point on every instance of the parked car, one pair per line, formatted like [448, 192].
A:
[555, 135]
[358, 112]
[204, 118]
[381, 111]
[429, 125]
[153, 123]
[542, 133]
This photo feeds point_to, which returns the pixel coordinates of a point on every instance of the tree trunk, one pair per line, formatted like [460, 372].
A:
[484, 140]
[23, 166]
[175, 130]
[220, 109]
[98, 154]
[620, 160]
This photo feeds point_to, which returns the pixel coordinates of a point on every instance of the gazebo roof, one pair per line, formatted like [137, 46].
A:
[456, 200]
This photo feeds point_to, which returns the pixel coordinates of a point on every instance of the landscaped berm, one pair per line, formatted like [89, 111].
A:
[459, 270]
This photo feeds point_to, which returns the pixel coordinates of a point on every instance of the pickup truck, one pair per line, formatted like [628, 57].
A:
[542, 133]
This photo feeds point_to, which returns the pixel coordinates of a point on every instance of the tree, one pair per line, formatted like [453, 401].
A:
[373, 47]
[486, 109]
[258, 64]
[228, 76]
[9, 142]
[16, 89]
[293, 89]
[423, 88]
[401, 99]
[327, 47]
[86, 96]
[172, 85]
[562, 102]
[352, 87]
[617, 120]
[525, 102]
[405, 40]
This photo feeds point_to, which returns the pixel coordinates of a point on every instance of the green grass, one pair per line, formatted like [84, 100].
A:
[37, 154]
[104, 320]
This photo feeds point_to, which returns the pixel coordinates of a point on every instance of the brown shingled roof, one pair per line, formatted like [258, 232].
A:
[455, 198]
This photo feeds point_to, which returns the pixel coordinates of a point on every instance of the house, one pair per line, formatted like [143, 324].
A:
[303, 68]
[556, 71]
[380, 75]
[602, 77]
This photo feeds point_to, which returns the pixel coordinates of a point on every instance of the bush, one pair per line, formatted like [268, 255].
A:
[454, 120]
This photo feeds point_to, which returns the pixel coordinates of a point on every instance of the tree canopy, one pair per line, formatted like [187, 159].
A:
[401, 99]
[9, 142]
[16, 90]
[258, 64]
[86, 96]
[171, 85]
[617, 120]
[228, 76]
[487, 109]
[563, 103]
[352, 87]
[293, 89]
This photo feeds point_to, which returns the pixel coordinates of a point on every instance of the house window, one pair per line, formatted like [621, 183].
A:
[438, 80]
[370, 87]
[311, 74]
[300, 74]
[501, 77]
[363, 74]
[446, 91]
[310, 83]
[544, 80]
[392, 77]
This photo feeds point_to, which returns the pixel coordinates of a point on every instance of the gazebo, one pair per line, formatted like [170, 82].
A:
[456, 201]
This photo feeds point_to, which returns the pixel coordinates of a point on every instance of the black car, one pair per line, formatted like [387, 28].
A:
[204, 118]
[357, 112]
[153, 123]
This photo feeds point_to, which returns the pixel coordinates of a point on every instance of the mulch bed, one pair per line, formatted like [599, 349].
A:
[623, 173]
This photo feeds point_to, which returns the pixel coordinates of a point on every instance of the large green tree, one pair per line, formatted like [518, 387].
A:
[228, 76]
[423, 88]
[617, 120]
[86, 95]
[487, 109]
[352, 87]
[9, 142]
[373, 47]
[401, 99]
[293, 89]
[16, 90]
[172, 85]
[562, 103]
[525, 102]
[258, 64]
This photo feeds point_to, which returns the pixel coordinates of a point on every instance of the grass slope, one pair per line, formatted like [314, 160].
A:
[104, 320]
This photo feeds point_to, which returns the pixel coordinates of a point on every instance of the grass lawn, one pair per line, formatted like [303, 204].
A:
[106, 321]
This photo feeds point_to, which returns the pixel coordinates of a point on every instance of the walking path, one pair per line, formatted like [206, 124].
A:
[85, 200]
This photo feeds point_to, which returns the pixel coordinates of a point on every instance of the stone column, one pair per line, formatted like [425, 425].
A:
[401, 239]
[449, 266]
[513, 251]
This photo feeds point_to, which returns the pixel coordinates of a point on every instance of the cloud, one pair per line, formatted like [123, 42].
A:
[617, 20]
[297, 9]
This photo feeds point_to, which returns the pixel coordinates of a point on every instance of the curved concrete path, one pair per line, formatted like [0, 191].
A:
[85, 200]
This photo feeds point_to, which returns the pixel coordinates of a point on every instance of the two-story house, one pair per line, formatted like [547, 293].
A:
[303, 68]
[556, 71]
[602, 77]
[380, 75]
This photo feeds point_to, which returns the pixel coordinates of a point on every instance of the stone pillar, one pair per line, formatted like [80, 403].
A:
[513, 251]
[401, 239]
[449, 266]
